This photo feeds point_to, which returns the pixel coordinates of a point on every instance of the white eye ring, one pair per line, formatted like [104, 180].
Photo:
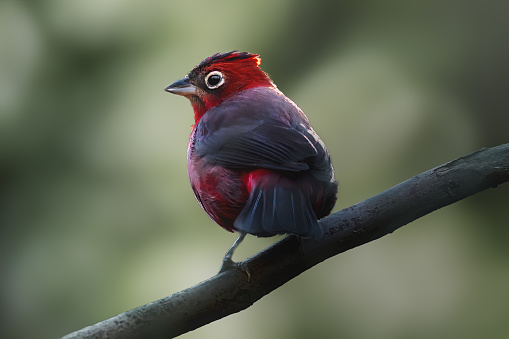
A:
[215, 74]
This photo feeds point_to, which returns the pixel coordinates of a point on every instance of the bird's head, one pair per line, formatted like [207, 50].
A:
[218, 77]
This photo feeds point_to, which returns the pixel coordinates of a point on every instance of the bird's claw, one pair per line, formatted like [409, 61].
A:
[229, 264]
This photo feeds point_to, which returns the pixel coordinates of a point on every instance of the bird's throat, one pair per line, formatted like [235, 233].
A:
[199, 108]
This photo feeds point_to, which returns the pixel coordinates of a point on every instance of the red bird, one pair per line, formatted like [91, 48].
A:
[254, 162]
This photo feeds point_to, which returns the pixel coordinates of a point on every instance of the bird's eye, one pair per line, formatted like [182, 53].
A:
[214, 79]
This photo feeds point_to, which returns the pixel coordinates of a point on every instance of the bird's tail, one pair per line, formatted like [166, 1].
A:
[278, 209]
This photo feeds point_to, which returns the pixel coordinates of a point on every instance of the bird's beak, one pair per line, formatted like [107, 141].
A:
[182, 87]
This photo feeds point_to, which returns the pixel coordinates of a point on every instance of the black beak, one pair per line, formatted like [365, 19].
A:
[182, 87]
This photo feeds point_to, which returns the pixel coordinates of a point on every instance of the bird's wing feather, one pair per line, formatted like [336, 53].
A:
[266, 144]
[258, 127]
[261, 128]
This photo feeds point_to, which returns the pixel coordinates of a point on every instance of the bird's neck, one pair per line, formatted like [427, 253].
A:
[200, 107]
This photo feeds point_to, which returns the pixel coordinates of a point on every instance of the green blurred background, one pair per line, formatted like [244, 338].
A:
[97, 216]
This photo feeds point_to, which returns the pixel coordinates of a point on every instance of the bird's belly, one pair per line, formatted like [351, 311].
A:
[221, 192]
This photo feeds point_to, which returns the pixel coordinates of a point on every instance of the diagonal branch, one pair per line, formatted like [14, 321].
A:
[231, 292]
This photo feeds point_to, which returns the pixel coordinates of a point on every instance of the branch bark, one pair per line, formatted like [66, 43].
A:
[231, 292]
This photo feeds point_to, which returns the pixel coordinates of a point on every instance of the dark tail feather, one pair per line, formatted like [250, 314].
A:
[278, 210]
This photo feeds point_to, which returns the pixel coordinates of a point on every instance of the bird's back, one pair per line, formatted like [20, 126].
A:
[271, 172]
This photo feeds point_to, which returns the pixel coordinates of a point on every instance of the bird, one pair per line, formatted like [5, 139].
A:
[255, 164]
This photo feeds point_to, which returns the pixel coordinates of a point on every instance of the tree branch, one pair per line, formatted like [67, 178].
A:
[231, 292]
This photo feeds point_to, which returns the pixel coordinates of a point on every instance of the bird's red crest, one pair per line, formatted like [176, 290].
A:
[233, 57]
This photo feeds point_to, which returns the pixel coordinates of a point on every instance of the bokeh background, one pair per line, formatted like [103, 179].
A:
[97, 216]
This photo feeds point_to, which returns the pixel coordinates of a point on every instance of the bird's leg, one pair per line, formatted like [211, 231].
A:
[227, 260]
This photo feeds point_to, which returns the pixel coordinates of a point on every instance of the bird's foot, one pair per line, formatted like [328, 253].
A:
[229, 264]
